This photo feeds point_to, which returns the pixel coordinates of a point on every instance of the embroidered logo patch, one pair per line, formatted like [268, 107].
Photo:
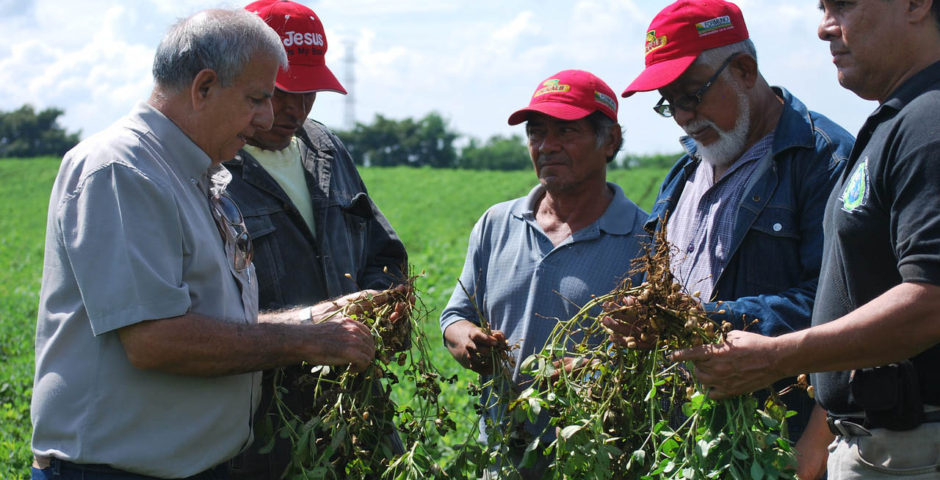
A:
[606, 100]
[653, 42]
[551, 86]
[714, 25]
[856, 189]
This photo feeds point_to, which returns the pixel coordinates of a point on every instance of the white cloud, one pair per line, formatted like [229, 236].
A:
[473, 62]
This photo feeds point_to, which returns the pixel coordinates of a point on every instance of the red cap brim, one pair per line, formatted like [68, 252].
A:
[308, 78]
[659, 75]
[563, 111]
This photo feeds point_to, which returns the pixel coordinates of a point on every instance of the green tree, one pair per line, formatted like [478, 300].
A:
[657, 160]
[25, 133]
[387, 142]
[498, 153]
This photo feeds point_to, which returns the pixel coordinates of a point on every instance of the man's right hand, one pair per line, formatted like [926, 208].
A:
[341, 341]
[471, 347]
[625, 330]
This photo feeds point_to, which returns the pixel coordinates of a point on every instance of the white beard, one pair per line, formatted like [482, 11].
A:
[730, 145]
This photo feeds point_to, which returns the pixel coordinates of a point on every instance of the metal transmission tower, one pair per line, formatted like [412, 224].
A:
[349, 116]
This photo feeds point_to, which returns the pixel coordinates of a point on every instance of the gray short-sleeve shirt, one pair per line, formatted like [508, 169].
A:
[130, 238]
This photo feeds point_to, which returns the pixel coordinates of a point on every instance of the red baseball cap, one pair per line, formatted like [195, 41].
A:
[302, 34]
[682, 31]
[570, 95]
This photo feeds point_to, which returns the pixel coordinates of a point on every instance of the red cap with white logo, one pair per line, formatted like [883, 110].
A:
[302, 33]
[570, 95]
[682, 31]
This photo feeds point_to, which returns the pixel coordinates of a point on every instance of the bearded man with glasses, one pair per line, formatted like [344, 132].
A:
[744, 207]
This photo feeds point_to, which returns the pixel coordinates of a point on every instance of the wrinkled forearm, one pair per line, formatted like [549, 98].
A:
[197, 345]
[895, 326]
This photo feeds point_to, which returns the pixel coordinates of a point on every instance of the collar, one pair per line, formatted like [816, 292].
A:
[794, 129]
[179, 151]
[618, 219]
[909, 90]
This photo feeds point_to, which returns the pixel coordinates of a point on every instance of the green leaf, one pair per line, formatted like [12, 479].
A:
[526, 365]
[535, 408]
[757, 473]
[531, 454]
[570, 430]
[650, 395]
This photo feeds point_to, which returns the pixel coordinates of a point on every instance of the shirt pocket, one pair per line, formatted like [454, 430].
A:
[770, 254]
[349, 246]
[267, 255]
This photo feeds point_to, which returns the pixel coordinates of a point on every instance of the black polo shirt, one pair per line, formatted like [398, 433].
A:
[882, 222]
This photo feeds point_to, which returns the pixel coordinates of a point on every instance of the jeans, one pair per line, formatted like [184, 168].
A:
[886, 454]
[61, 470]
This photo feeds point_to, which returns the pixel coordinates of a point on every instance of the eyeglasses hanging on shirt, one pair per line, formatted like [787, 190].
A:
[232, 228]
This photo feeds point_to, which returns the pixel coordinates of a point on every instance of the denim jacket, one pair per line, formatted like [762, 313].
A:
[296, 267]
[776, 251]
[777, 245]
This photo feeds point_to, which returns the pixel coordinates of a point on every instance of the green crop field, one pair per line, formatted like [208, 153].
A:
[432, 210]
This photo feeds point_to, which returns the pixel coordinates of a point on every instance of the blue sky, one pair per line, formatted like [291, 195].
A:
[472, 61]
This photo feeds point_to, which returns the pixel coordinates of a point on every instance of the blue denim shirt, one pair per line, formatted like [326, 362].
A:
[777, 243]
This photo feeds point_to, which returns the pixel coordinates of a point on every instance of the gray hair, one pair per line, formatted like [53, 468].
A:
[715, 56]
[220, 40]
[602, 125]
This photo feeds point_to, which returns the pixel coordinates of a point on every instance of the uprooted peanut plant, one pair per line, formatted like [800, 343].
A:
[629, 412]
[353, 429]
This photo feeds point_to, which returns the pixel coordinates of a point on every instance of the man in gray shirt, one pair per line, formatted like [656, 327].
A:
[148, 341]
[532, 261]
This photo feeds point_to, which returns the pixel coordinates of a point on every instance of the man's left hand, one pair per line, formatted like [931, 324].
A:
[743, 363]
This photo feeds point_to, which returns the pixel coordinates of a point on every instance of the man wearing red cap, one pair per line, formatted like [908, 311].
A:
[316, 232]
[874, 347]
[531, 261]
[744, 207]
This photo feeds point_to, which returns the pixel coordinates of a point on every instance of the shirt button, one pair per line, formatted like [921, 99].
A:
[778, 227]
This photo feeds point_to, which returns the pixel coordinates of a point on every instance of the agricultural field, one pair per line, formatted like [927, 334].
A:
[432, 210]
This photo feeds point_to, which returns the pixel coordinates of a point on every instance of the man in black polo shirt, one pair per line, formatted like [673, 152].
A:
[875, 340]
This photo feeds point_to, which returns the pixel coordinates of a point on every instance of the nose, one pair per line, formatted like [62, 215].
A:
[294, 104]
[827, 28]
[263, 119]
[683, 116]
[550, 142]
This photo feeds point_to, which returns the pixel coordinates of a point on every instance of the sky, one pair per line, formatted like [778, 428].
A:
[472, 61]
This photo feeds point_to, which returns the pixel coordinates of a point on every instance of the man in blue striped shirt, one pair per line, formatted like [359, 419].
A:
[532, 261]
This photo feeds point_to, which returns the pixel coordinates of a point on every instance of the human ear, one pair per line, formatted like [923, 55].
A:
[745, 68]
[201, 87]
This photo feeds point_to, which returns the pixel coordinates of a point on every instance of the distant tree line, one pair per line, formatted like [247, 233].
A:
[429, 141]
[27, 133]
[386, 142]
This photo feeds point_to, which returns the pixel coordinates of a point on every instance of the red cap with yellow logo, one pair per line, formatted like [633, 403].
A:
[682, 31]
[570, 95]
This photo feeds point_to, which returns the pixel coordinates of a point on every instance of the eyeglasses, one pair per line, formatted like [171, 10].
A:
[232, 228]
[690, 102]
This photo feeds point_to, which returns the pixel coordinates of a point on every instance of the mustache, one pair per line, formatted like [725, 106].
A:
[697, 125]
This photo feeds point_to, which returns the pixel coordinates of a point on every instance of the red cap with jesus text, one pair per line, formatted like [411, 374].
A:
[302, 34]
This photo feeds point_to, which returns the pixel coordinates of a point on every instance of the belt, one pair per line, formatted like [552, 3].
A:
[44, 462]
[859, 427]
